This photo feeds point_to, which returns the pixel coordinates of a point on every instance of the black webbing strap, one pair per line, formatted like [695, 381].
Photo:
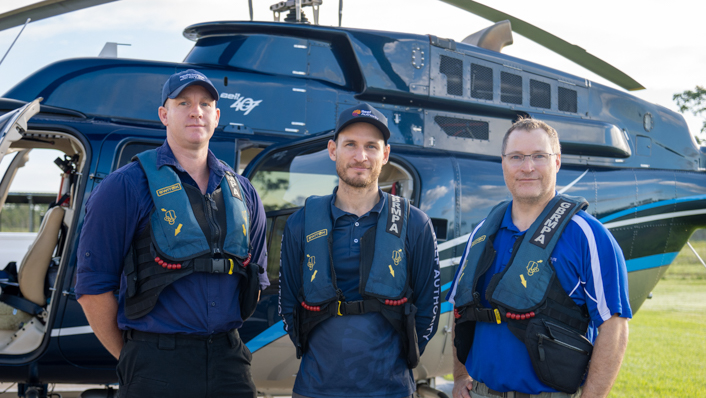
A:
[360, 307]
[478, 315]
[21, 304]
[212, 265]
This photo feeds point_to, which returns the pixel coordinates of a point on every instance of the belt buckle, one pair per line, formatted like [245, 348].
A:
[218, 265]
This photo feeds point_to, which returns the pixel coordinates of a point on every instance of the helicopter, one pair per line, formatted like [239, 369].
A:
[448, 102]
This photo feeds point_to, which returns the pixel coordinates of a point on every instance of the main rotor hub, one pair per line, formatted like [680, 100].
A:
[294, 7]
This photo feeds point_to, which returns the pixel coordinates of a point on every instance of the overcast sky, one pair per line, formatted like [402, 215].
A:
[660, 44]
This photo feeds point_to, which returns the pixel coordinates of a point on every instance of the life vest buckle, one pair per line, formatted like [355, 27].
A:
[339, 308]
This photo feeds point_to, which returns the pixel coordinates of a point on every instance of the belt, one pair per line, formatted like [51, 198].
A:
[168, 341]
[483, 389]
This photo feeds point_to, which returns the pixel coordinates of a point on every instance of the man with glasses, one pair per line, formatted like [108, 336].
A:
[538, 279]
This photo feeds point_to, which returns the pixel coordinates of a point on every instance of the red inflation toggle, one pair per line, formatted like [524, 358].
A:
[311, 308]
[456, 314]
[396, 302]
[247, 260]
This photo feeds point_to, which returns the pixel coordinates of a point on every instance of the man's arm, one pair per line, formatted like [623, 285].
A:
[258, 232]
[290, 271]
[463, 383]
[426, 280]
[102, 313]
[607, 357]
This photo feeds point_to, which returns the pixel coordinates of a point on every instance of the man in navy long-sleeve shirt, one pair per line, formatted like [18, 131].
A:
[358, 354]
[183, 342]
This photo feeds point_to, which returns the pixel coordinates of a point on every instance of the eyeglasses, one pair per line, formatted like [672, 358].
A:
[539, 159]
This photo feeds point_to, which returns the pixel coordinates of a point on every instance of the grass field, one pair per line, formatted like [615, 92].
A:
[666, 355]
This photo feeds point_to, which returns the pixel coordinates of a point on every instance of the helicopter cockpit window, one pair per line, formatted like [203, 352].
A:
[265, 54]
[39, 193]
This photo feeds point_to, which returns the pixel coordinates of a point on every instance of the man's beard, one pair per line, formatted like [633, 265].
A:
[358, 181]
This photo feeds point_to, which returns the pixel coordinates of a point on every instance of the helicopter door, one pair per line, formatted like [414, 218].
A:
[13, 124]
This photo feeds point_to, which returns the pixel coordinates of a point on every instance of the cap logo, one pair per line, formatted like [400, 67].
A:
[356, 112]
[192, 76]
[364, 112]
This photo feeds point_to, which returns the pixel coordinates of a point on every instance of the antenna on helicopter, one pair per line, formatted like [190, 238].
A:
[340, 12]
[295, 10]
[250, 5]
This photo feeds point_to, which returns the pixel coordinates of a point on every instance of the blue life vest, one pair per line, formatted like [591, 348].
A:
[527, 287]
[175, 242]
[384, 275]
[387, 277]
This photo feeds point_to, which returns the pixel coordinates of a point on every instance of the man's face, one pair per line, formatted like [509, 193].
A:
[359, 153]
[190, 118]
[530, 182]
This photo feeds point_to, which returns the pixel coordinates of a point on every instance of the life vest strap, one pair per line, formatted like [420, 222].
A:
[487, 315]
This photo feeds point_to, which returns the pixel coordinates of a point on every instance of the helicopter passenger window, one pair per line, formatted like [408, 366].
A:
[510, 88]
[568, 100]
[130, 150]
[452, 68]
[540, 94]
[481, 82]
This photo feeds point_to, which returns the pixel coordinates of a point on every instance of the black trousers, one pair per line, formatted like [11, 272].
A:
[167, 365]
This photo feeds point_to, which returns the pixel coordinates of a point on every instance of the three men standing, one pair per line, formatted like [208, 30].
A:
[538, 274]
[359, 289]
[180, 235]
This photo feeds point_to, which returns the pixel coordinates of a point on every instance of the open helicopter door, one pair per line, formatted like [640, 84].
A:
[13, 124]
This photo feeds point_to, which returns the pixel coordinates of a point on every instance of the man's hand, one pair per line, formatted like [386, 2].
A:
[462, 387]
[463, 383]
[607, 357]
[102, 313]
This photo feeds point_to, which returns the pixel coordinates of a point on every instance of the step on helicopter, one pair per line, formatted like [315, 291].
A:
[449, 104]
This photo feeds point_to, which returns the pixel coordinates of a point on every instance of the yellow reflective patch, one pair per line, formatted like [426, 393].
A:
[478, 240]
[169, 189]
[316, 235]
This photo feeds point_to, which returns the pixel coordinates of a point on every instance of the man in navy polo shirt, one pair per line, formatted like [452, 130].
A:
[178, 234]
[538, 279]
[355, 267]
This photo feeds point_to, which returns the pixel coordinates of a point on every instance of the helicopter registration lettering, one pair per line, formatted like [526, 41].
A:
[241, 103]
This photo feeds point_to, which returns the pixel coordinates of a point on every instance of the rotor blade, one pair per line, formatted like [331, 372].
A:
[570, 51]
[44, 9]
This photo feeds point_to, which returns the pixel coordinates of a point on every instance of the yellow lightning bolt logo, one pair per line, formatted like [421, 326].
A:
[524, 282]
[314, 275]
[177, 230]
[392, 271]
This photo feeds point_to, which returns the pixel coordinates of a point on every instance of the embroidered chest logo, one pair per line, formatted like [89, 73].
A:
[478, 240]
[397, 256]
[169, 189]
[533, 267]
[316, 235]
[169, 216]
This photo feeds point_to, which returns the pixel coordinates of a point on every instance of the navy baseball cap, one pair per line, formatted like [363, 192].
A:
[179, 81]
[362, 113]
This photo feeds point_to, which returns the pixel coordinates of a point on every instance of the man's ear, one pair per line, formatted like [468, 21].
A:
[332, 150]
[162, 112]
[386, 151]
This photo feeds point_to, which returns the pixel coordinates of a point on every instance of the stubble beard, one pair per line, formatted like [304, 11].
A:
[358, 181]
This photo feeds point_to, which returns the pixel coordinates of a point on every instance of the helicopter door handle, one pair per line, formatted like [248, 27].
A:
[69, 293]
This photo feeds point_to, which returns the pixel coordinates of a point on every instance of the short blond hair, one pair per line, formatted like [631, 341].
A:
[529, 124]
